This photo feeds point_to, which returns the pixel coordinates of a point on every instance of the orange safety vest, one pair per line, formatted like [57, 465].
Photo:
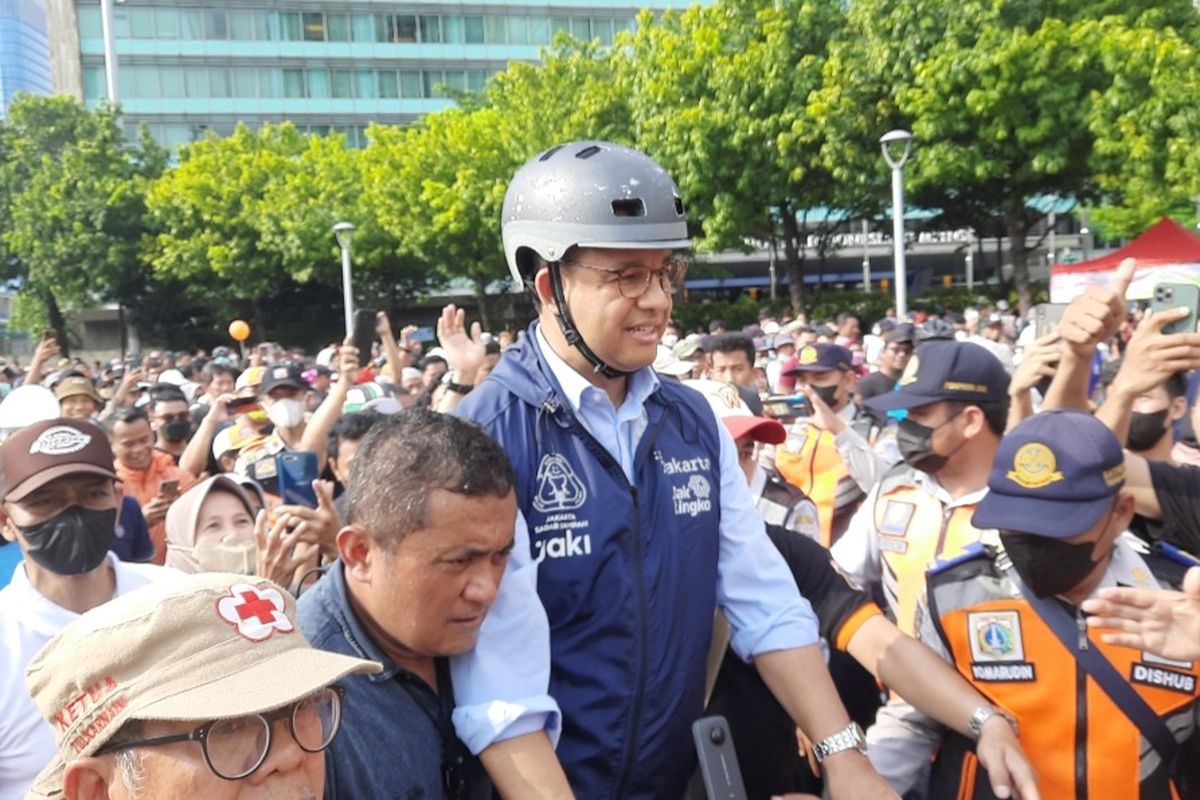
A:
[810, 461]
[1079, 741]
[915, 529]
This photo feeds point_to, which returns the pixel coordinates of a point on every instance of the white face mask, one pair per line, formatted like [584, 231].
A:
[286, 413]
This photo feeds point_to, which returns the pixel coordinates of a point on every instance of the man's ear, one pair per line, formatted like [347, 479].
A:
[1177, 408]
[1123, 510]
[7, 529]
[357, 551]
[541, 285]
[87, 779]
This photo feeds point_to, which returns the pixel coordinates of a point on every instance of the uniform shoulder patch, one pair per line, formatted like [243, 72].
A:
[970, 553]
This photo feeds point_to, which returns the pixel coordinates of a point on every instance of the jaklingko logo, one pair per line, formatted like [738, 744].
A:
[693, 498]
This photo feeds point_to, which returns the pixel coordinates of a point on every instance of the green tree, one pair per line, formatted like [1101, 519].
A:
[719, 96]
[73, 195]
[438, 186]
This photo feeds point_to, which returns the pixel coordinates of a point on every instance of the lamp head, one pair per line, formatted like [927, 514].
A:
[895, 140]
[343, 231]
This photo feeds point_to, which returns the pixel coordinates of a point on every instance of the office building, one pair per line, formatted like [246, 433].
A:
[24, 53]
[186, 67]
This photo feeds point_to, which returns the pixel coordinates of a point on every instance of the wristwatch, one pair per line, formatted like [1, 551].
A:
[849, 737]
[983, 714]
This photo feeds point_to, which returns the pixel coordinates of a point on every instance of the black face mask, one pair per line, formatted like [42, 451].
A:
[1048, 566]
[176, 430]
[916, 445]
[1145, 430]
[828, 394]
[73, 542]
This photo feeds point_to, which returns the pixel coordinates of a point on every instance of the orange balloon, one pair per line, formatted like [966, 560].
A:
[239, 330]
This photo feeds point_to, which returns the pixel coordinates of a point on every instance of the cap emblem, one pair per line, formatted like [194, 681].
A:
[1114, 475]
[1034, 467]
[61, 440]
[255, 613]
[729, 396]
[808, 356]
[910, 371]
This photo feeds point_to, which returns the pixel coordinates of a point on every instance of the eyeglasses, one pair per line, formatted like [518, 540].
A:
[235, 748]
[632, 282]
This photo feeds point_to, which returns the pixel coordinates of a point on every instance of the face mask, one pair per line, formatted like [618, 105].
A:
[176, 430]
[5, 388]
[286, 413]
[1048, 566]
[239, 557]
[1146, 429]
[828, 394]
[915, 442]
[73, 542]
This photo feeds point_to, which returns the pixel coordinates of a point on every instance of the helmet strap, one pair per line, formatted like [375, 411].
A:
[570, 332]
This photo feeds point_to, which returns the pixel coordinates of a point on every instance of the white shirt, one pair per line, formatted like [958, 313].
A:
[28, 619]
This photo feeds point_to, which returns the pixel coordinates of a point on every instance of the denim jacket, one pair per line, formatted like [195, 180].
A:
[391, 740]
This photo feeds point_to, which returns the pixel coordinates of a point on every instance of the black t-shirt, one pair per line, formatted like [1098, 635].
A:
[875, 384]
[1177, 488]
[764, 735]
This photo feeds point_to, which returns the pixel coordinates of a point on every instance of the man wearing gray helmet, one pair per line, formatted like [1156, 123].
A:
[636, 520]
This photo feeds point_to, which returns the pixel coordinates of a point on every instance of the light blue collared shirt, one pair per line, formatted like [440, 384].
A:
[497, 684]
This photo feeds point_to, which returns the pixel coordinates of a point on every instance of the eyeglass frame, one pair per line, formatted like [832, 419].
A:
[201, 732]
[673, 262]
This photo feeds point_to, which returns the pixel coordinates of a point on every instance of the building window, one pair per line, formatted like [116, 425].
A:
[602, 29]
[433, 78]
[166, 23]
[215, 26]
[93, 84]
[241, 26]
[90, 26]
[289, 23]
[337, 27]
[245, 83]
[219, 82]
[410, 83]
[342, 84]
[196, 80]
[388, 86]
[474, 29]
[141, 23]
[364, 84]
[476, 80]
[318, 84]
[170, 82]
[580, 29]
[314, 26]
[431, 30]
[404, 28]
[293, 83]
[493, 30]
[452, 30]
[362, 27]
[518, 30]
[192, 23]
[560, 25]
[539, 30]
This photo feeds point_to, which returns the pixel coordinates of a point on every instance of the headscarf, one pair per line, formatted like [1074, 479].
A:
[183, 516]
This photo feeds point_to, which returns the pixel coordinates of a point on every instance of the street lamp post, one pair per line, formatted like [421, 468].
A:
[110, 50]
[898, 139]
[343, 231]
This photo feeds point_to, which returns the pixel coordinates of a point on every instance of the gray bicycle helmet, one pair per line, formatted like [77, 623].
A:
[588, 194]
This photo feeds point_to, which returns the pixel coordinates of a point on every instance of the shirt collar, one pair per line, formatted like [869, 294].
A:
[1127, 567]
[639, 385]
[338, 599]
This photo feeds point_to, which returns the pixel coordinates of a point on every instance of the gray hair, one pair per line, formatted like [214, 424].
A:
[408, 455]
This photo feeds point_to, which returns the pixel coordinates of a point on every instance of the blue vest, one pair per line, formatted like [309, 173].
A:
[627, 574]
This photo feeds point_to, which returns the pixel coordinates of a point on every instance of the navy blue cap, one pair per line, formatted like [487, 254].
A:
[1054, 475]
[822, 357]
[946, 371]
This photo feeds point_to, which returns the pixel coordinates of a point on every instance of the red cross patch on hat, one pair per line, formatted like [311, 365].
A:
[254, 612]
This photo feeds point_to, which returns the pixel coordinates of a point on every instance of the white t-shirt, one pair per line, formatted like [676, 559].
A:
[27, 621]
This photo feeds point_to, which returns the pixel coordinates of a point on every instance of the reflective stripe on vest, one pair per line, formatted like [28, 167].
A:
[915, 529]
[1000, 644]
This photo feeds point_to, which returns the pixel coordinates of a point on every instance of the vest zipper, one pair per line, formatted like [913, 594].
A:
[1081, 726]
[947, 513]
[635, 717]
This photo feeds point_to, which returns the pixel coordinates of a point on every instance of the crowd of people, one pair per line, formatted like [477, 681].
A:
[931, 556]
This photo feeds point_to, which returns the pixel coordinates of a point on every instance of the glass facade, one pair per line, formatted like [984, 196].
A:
[24, 50]
[185, 69]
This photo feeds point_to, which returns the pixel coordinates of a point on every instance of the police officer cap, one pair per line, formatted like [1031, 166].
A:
[1054, 475]
[822, 357]
[946, 371]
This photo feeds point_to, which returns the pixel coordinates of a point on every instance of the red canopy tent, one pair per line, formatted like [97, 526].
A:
[1167, 247]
